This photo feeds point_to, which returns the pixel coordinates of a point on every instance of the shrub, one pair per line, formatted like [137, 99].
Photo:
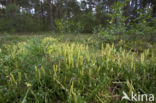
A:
[69, 26]
[98, 29]
[143, 26]
[88, 21]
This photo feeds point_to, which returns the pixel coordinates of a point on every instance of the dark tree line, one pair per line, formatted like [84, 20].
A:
[44, 15]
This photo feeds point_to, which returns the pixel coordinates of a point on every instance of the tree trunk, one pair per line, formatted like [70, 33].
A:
[90, 5]
[154, 8]
[50, 15]
[67, 13]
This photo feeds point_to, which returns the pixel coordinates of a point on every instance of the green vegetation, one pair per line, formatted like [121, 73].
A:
[74, 68]
[77, 51]
[79, 16]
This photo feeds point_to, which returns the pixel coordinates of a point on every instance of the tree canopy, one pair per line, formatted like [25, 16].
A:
[45, 15]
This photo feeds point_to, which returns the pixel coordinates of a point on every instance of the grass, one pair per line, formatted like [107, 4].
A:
[74, 68]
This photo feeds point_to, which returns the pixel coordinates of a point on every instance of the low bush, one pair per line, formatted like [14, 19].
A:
[68, 26]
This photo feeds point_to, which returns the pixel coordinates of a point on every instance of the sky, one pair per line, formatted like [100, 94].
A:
[79, 0]
[40, 0]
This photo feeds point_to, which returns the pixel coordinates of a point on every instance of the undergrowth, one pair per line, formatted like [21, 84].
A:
[46, 70]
